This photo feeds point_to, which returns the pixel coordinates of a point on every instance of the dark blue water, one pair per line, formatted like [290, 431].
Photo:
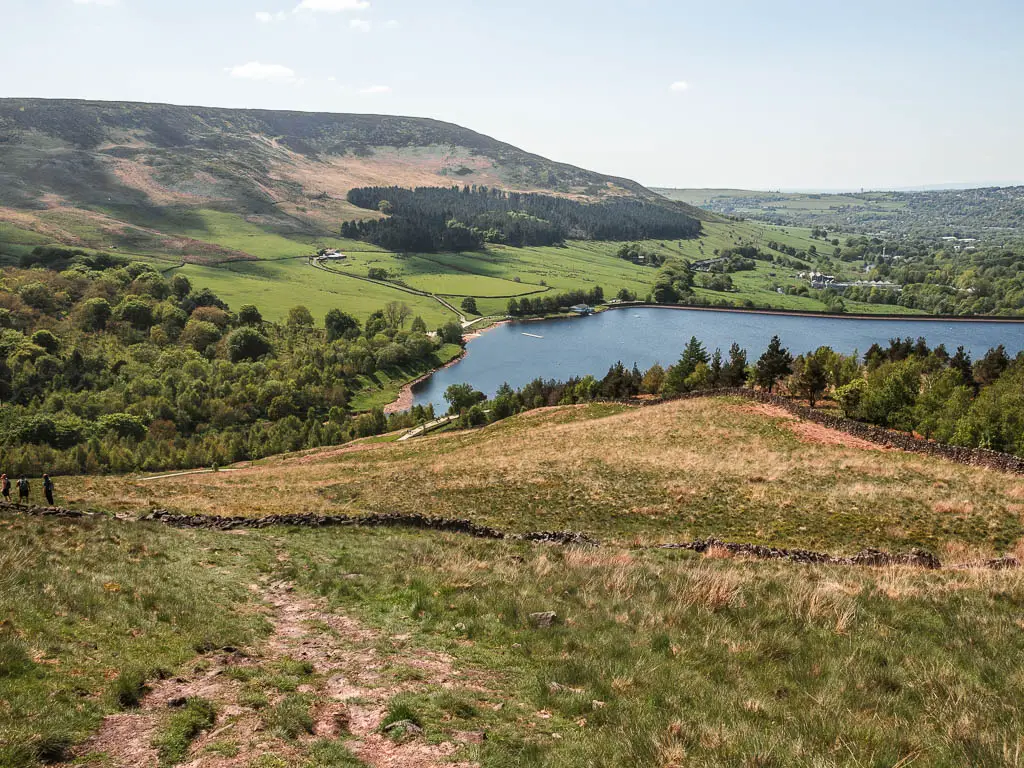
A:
[645, 336]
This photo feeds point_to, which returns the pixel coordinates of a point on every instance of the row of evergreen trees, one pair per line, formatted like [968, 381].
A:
[429, 219]
[906, 386]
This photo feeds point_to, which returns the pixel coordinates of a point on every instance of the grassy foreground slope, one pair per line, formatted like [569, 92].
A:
[663, 473]
[660, 658]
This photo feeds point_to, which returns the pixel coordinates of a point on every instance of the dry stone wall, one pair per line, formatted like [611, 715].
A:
[918, 558]
[975, 457]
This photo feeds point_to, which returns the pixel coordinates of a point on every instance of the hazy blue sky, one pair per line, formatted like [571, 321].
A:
[782, 94]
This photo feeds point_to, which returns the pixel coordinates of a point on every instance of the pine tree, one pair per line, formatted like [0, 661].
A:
[812, 378]
[693, 355]
[715, 372]
[775, 363]
[734, 374]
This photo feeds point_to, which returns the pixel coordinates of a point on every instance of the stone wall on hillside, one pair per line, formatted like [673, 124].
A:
[975, 457]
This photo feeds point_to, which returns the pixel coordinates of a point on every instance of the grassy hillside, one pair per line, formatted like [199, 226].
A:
[622, 473]
[151, 166]
[211, 191]
[992, 213]
[655, 657]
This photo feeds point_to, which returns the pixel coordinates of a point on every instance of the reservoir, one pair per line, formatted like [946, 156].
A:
[518, 353]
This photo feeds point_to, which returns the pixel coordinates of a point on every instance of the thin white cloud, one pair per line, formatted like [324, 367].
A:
[268, 73]
[679, 86]
[332, 6]
[95, 2]
[373, 89]
[360, 24]
[265, 17]
[391, 24]
[332, 79]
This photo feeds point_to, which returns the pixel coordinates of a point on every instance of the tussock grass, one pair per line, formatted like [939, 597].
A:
[671, 658]
[290, 717]
[182, 728]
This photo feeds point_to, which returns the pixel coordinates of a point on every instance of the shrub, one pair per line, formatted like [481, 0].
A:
[46, 340]
[38, 296]
[248, 314]
[122, 425]
[200, 335]
[136, 312]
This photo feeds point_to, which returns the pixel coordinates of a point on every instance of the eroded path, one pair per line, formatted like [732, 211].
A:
[320, 680]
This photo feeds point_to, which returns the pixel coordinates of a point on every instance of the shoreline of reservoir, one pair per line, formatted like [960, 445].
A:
[811, 313]
[406, 395]
[646, 336]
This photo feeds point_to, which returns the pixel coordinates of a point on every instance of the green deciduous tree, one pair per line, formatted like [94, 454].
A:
[247, 344]
[249, 315]
[462, 396]
[299, 318]
[340, 325]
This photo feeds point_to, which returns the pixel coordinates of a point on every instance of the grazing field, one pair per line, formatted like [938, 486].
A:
[663, 473]
[653, 657]
[275, 287]
[221, 250]
[229, 254]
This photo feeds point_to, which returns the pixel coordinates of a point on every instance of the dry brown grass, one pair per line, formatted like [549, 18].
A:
[660, 473]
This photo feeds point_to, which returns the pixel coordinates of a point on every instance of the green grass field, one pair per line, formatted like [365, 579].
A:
[279, 278]
[277, 286]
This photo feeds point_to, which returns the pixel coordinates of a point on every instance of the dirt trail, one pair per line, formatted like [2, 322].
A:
[349, 685]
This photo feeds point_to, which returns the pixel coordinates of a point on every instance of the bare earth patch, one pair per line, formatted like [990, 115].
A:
[809, 432]
[764, 409]
[349, 687]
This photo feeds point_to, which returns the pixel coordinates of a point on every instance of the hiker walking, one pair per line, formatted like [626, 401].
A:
[22, 489]
[48, 489]
[5, 488]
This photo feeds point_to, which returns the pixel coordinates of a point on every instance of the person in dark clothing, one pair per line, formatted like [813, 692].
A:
[5, 488]
[22, 489]
[48, 489]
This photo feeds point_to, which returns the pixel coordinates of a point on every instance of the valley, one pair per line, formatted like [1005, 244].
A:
[745, 491]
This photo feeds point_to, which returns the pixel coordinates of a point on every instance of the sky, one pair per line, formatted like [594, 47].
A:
[831, 95]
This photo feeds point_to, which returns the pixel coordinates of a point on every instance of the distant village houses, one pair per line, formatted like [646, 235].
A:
[820, 282]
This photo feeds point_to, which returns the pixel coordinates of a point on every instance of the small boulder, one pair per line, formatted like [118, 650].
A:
[543, 620]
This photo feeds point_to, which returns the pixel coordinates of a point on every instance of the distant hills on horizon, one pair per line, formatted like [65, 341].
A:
[126, 174]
